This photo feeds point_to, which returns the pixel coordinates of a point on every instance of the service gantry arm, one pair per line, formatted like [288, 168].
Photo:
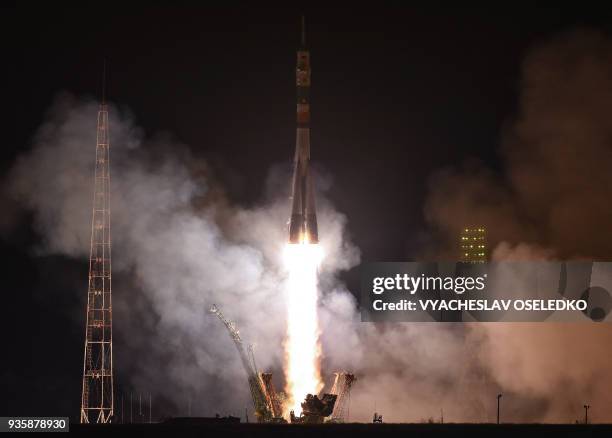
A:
[262, 410]
[342, 388]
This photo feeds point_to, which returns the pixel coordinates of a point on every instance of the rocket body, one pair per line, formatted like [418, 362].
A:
[303, 220]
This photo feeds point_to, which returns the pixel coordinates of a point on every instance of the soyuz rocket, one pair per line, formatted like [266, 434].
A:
[303, 220]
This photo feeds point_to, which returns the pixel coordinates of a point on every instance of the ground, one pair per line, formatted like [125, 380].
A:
[245, 430]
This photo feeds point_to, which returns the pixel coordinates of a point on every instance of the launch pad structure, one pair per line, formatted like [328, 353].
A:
[268, 404]
[265, 400]
[343, 383]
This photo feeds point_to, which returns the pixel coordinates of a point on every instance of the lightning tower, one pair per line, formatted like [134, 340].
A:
[97, 398]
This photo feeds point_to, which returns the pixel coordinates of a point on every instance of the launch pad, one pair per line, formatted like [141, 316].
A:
[268, 403]
[315, 409]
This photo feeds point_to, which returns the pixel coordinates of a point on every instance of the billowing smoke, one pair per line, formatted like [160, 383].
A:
[552, 201]
[556, 154]
[180, 245]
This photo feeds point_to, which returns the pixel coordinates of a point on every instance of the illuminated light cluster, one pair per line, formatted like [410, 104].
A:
[302, 346]
[473, 245]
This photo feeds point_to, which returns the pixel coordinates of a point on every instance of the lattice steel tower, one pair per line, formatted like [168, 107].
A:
[97, 399]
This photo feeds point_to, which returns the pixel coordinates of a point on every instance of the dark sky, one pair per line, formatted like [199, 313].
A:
[396, 94]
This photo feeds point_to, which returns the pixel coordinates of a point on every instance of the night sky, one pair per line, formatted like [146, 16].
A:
[396, 94]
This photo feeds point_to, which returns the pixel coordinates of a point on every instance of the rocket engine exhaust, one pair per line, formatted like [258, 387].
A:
[302, 256]
[302, 346]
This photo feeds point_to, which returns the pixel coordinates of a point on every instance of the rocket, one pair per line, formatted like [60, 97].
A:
[303, 220]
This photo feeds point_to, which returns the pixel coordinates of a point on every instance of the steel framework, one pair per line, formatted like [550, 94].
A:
[97, 398]
[265, 410]
[342, 388]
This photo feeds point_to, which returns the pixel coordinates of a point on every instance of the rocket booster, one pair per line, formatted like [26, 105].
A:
[303, 221]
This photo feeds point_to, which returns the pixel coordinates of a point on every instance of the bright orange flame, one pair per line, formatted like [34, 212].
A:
[302, 347]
